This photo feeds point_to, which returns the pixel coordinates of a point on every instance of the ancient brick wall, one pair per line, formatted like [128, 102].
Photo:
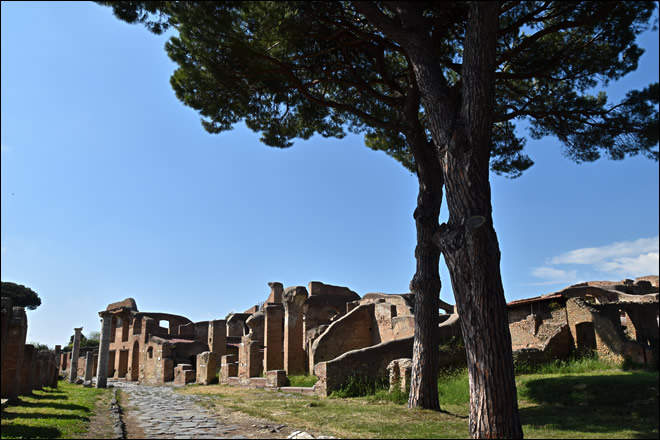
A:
[358, 329]
[598, 328]
[370, 362]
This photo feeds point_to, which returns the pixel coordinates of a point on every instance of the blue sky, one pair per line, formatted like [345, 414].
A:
[112, 189]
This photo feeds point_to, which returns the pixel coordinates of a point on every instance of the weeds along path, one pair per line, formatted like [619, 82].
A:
[158, 412]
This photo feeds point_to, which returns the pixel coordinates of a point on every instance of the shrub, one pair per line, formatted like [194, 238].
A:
[359, 386]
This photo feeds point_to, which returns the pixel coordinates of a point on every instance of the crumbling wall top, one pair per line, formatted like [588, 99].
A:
[128, 303]
[319, 288]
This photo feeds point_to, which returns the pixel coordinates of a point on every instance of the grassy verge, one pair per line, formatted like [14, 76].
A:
[62, 412]
[576, 399]
[302, 380]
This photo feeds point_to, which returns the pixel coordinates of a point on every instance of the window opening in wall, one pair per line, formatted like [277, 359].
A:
[150, 352]
[164, 324]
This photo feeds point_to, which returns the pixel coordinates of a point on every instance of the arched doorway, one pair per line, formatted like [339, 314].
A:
[135, 362]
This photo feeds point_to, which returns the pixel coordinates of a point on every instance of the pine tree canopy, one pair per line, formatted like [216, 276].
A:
[292, 69]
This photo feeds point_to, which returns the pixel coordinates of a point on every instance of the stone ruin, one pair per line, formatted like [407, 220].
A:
[149, 347]
[325, 330]
[24, 368]
[617, 320]
[333, 333]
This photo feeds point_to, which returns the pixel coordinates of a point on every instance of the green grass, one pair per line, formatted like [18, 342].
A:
[582, 364]
[604, 404]
[582, 398]
[53, 413]
[302, 380]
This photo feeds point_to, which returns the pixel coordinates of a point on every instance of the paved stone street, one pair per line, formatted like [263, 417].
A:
[162, 413]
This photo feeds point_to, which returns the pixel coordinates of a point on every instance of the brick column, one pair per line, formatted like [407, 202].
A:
[294, 353]
[218, 337]
[89, 365]
[273, 333]
[58, 362]
[73, 373]
[104, 348]
[15, 320]
[25, 375]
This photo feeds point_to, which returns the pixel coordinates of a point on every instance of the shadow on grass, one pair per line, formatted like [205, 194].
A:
[54, 405]
[596, 404]
[23, 431]
[47, 396]
[11, 416]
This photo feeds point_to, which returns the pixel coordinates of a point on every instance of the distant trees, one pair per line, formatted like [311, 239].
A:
[21, 296]
[92, 340]
[39, 346]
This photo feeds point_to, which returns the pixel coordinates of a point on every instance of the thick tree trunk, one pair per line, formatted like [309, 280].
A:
[471, 250]
[462, 131]
[461, 126]
[469, 243]
[426, 281]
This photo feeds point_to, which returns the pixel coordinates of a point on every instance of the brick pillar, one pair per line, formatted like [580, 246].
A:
[73, 372]
[37, 370]
[276, 290]
[294, 353]
[89, 365]
[273, 334]
[46, 367]
[12, 349]
[206, 367]
[104, 349]
[25, 378]
[56, 372]
[250, 362]
[218, 337]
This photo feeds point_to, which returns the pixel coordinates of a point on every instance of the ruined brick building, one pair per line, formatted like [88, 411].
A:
[332, 332]
[615, 320]
[147, 347]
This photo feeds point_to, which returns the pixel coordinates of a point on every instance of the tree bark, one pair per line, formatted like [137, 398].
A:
[461, 127]
[426, 281]
[469, 241]
[462, 131]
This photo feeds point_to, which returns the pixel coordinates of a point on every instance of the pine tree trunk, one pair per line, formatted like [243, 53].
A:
[472, 254]
[461, 127]
[462, 130]
[426, 282]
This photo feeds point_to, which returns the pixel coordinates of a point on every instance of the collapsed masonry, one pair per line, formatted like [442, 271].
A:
[24, 368]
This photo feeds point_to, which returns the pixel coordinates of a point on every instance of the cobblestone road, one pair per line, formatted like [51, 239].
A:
[162, 413]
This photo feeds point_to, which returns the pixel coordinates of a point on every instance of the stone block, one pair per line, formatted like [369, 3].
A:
[184, 374]
[276, 378]
[206, 367]
[400, 371]
[228, 368]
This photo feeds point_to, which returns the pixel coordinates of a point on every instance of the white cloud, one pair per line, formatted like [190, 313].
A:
[624, 259]
[604, 254]
[554, 276]
[641, 264]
